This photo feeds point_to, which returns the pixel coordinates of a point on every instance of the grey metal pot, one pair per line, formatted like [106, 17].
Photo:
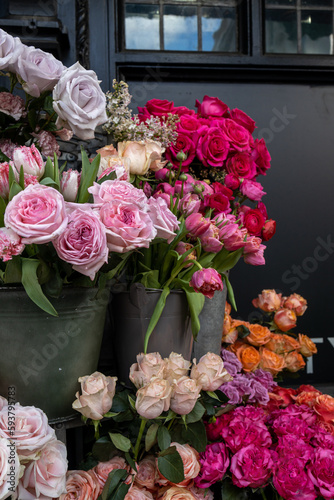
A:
[43, 356]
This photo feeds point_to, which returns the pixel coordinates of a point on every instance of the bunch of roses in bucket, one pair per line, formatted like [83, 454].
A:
[33, 462]
[285, 448]
[58, 101]
[270, 344]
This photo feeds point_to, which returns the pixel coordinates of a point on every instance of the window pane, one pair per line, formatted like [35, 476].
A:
[317, 3]
[281, 31]
[142, 27]
[180, 27]
[219, 29]
[281, 2]
[317, 32]
[22, 7]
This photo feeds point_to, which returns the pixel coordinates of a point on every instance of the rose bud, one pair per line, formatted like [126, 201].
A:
[297, 303]
[30, 159]
[69, 184]
[285, 319]
[181, 156]
[268, 230]
[206, 281]
[231, 181]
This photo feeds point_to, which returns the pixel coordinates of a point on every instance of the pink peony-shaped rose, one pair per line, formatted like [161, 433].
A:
[210, 372]
[211, 107]
[120, 191]
[79, 101]
[153, 398]
[30, 159]
[12, 105]
[81, 485]
[69, 184]
[213, 147]
[97, 395]
[32, 431]
[176, 366]
[251, 466]
[292, 482]
[164, 221]
[10, 244]
[46, 476]
[147, 366]
[48, 143]
[289, 446]
[206, 281]
[138, 493]
[146, 473]
[213, 429]
[321, 473]
[103, 469]
[252, 189]
[10, 50]
[9, 468]
[241, 432]
[185, 392]
[83, 243]
[214, 463]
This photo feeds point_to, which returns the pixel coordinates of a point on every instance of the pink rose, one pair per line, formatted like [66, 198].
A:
[252, 189]
[103, 469]
[237, 135]
[176, 366]
[213, 147]
[83, 243]
[188, 124]
[183, 143]
[268, 300]
[261, 156]
[285, 319]
[146, 473]
[211, 107]
[30, 159]
[153, 398]
[191, 464]
[200, 494]
[97, 395]
[164, 221]
[12, 105]
[46, 476]
[127, 226]
[32, 431]
[241, 432]
[206, 281]
[185, 392]
[10, 50]
[243, 119]
[81, 485]
[118, 190]
[321, 473]
[48, 144]
[9, 468]
[147, 366]
[138, 493]
[214, 463]
[291, 481]
[10, 244]
[69, 184]
[39, 70]
[251, 466]
[177, 493]
[241, 165]
[210, 372]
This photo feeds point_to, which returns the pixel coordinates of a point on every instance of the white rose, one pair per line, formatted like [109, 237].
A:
[79, 101]
[10, 49]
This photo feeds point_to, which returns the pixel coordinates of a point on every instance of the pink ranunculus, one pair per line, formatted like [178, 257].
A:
[292, 482]
[7, 147]
[147, 366]
[37, 214]
[191, 464]
[4, 178]
[210, 372]
[79, 101]
[118, 190]
[321, 473]
[10, 50]
[30, 159]
[127, 226]
[12, 105]
[10, 244]
[32, 431]
[81, 485]
[154, 398]
[211, 107]
[39, 71]
[146, 473]
[252, 189]
[46, 476]
[285, 319]
[69, 184]
[9, 468]
[261, 156]
[103, 469]
[196, 224]
[185, 392]
[237, 135]
[183, 143]
[206, 281]
[48, 143]
[189, 204]
[97, 395]
[243, 119]
[251, 466]
[176, 366]
[138, 493]
[164, 221]
[254, 221]
[213, 147]
[241, 165]
[214, 463]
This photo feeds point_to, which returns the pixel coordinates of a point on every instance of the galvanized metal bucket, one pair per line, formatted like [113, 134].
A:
[43, 356]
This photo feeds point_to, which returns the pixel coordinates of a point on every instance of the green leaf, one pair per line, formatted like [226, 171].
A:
[49, 170]
[230, 292]
[130, 461]
[156, 315]
[171, 466]
[103, 449]
[151, 436]
[2, 211]
[47, 181]
[212, 395]
[33, 288]
[195, 303]
[132, 402]
[88, 176]
[13, 273]
[3, 157]
[47, 106]
[32, 119]
[195, 435]
[113, 489]
[121, 442]
[150, 279]
[164, 438]
[21, 178]
[222, 262]
[110, 414]
[196, 413]
[231, 492]
[56, 170]
[14, 190]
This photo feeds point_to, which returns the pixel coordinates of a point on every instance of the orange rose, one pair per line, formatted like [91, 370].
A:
[268, 301]
[297, 303]
[235, 346]
[294, 361]
[259, 335]
[249, 357]
[285, 319]
[228, 309]
[271, 362]
[290, 344]
[324, 406]
[276, 343]
[307, 398]
[308, 347]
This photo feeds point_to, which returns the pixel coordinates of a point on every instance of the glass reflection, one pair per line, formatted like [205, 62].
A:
[219, 29]
[317, 3]
[317, 32]
[180, 28]
[281, 2]
[142, 27]
[281, 31]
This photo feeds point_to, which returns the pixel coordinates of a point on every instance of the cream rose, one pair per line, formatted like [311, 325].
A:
[154, 398]
[147, 366]
[185, 392]
[97, 395]
[176, 366]
[210, 372]
[177, 493]
[143, 155]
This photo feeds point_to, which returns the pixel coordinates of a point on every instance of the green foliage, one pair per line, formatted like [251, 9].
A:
[88, 176]
[170, 465]
[32, 286]
[196, 435]
[115, 488]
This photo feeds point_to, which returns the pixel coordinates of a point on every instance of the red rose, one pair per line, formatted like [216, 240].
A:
[219, 188]
[212, 148]
[232, 182]
[268, 230]
[159, 107]
[185, 144]
[143, 114]
[218, 202]
[285, 394]
[254, 221]
[241, 165]
[243, 119]
[182, 110]
[211, 106]
[261, 156]
[261, 206]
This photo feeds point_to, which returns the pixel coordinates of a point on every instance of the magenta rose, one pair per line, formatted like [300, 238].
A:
[261, 156]
[321, 473]
[183, 143]
[188, 125]
[237, 135]
[232, 181]
[254, 222]
[213, 147]
[251, 466]
[252, 189]
[214, 463]
[164, 221]
[242, 431]
[292, 482]
[213, 430]
[241, 165]
[118, 190]
[159, 107]
[206, 281]
[83, 243]
[289, 446]
[182, 110]
[243, 119]
[211, 107]
[37, 214]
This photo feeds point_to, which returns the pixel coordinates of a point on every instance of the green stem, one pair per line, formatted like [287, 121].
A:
[96, 424]
[140, 435]
[178, 172]
[263, 494]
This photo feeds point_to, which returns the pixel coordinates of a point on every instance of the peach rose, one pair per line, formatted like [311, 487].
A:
[153, 398]
[285, 319]
[81, 485]
[268, 301]
[324, 406]
[210, 372]
[147, 366]
[106, 151]
[307, 398]
[102, 469]
[290, 344]
[185, 392]
[230, 335]
[146, 473]
[308, 347]
[138, 493]
[271, 362]
[97, 395]
[294, 361]
[143, 155]
[176, 366]
[201, 494]
[248, 356]
[276, 343]
[259, 335]
[297, 303]
[177, 493]
[191, 464]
